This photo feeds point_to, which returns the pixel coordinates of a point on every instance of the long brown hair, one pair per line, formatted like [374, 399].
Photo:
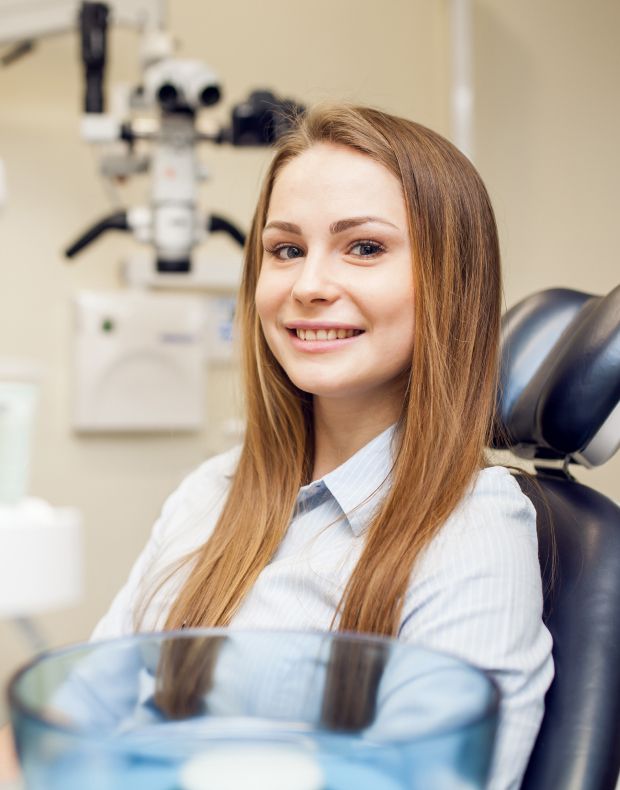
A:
[447, 409]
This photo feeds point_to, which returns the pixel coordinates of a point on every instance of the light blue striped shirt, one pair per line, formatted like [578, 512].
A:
[475, 593]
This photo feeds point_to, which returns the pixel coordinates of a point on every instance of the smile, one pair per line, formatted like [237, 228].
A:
[326, 334]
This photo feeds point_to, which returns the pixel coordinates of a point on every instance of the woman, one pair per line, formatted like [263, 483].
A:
[360, 499]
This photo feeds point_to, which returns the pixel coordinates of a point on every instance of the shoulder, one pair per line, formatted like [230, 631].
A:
[494, 500]
[481, 566]
[215, 471]
[493, 525]
[199, 497]
[495, 484]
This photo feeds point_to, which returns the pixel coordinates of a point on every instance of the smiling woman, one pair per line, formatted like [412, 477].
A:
[335, 289]
[360, 499]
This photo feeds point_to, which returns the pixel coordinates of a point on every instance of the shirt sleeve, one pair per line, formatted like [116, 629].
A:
[477, 594]
[186, 521]
[119, 619]
[100, 690]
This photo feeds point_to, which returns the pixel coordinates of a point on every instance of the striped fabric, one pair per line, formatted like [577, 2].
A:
[476, 593]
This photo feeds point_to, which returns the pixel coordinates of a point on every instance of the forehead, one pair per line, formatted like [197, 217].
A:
[337, 181]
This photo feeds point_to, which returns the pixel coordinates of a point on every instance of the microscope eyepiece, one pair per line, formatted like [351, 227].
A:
[210, 95]
[167, 95]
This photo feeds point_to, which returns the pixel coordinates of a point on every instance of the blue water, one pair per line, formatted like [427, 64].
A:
[347, 763]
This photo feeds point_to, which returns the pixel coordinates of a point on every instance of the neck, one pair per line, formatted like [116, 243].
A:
[342, 426]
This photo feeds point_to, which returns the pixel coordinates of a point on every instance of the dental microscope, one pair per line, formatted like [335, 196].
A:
[140, 352]
[176, 91]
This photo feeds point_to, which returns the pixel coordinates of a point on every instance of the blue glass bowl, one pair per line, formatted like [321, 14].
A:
[215, 709]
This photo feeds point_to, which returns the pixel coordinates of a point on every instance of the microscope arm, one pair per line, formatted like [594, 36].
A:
[31, 19]
[116, 221]
[217, 224]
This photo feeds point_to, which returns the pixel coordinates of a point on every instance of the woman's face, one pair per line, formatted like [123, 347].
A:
[335, 291]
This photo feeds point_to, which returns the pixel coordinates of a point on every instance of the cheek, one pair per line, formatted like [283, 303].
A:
[395, 323]
[393, 311]
[265, 298]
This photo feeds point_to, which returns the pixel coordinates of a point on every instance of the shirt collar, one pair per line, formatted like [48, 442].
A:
[360, 483]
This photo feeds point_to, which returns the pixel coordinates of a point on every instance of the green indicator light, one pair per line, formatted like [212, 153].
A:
[107, 325]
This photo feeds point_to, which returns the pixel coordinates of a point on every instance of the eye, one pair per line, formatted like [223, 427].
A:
[285, 252]
[366, 249]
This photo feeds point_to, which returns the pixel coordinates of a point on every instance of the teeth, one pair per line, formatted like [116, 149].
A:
[326, 334]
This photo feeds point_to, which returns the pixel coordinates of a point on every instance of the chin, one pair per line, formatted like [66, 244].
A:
[324, 389]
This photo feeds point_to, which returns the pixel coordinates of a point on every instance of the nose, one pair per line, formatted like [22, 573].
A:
[314, 282]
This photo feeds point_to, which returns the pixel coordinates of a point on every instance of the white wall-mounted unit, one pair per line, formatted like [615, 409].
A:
[139, 361]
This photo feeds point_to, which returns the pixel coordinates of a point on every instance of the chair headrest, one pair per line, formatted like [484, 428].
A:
[559, 394]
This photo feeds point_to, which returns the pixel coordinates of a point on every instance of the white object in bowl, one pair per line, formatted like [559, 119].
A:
[264, 767]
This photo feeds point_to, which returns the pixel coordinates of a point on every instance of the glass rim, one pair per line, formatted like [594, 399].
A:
[35, 715]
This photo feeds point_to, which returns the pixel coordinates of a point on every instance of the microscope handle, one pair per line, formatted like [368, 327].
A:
[216, 224]
[116, 221]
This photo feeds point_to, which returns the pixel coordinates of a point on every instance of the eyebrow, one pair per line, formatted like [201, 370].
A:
[336, 227]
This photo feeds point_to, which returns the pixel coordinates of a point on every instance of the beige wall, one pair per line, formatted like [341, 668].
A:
[547, 128]
[548, 124]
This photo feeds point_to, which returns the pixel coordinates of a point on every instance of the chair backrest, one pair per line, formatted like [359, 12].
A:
[560, 405]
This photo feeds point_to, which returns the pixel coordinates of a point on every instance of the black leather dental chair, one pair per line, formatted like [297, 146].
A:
[559, 406]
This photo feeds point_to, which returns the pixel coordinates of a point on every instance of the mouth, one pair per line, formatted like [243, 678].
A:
[325, 333]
